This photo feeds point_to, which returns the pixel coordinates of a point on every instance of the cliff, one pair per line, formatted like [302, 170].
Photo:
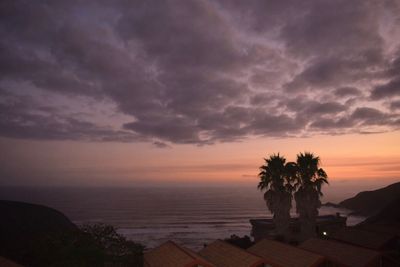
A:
[369, 203]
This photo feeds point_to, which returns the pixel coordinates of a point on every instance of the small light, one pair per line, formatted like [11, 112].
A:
[324, 233]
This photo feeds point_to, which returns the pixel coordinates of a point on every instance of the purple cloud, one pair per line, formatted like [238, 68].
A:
[197, 72]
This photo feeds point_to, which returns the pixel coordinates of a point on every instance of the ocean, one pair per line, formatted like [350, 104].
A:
[191, 216]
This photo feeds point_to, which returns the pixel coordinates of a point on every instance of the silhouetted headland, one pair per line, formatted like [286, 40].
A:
[368, 203]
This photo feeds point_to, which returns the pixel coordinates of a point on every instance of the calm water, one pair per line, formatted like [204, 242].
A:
[189, 216]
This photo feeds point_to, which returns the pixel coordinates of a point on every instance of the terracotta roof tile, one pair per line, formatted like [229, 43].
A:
[341, 253]
[389, 228]
[223, 254]
[283, 255]
[170, 254]
[362, 238]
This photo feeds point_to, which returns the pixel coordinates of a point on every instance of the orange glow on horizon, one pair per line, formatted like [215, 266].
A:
[343, 157]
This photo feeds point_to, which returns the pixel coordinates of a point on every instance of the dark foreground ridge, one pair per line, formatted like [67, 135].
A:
[35, 235]
[23, 220]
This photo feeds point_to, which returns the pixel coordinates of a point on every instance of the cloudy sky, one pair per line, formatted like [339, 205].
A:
[136, 92]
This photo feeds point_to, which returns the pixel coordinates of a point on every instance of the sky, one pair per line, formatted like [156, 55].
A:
[197, 92]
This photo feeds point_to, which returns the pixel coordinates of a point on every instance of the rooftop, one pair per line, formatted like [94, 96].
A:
[363, 238]
[170, 254]
[388, 228]
[283, 255]
[341, 253]
[223, 254]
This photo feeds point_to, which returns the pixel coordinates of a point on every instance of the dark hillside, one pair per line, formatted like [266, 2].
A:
[21, 220]
[38, 236]
[369, 203]
[390, 214]
[24, 228]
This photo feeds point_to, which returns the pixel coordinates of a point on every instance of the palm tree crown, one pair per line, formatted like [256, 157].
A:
[272, 173]
[310, 175]
[276, 174]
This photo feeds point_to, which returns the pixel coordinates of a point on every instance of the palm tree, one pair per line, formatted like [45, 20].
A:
[310, 178]
[276, 179]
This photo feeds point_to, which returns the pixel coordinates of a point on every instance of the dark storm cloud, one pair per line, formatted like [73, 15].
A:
[197, 72]
[364, 116]
[160, 144]
[392, 87]
[389, 89]
[347, 91]
[333, 28]
[20, 118]
[342, 40]
[395, 105]
[309, 107]
[337, 70]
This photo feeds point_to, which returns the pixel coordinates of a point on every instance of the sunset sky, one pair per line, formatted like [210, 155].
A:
[134, 93]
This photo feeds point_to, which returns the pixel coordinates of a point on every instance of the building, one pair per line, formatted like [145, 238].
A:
[326, 224]
[223, 254]
[170, 254]
[278, 254]
[366, 239]
[341, 254]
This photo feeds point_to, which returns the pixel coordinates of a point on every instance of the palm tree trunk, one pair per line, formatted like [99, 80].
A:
[283, 219]
[280, 203]
[307, 202]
